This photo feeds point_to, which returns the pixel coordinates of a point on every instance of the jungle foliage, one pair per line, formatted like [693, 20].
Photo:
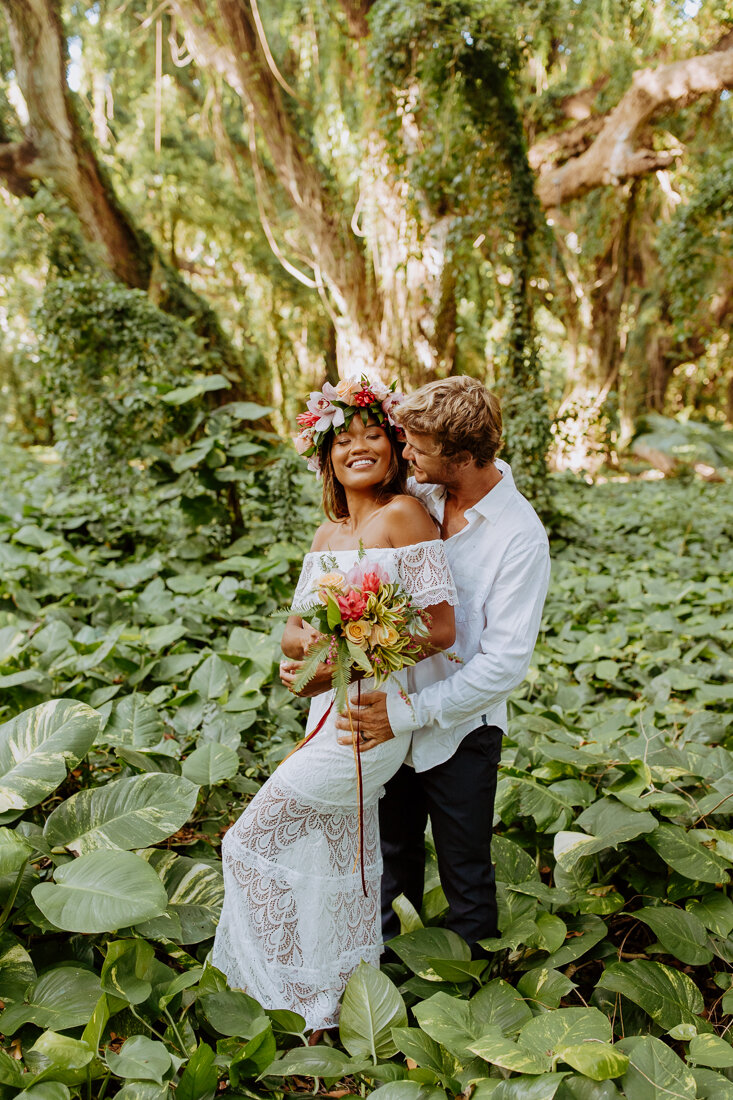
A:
[362, 184]
[141, 708]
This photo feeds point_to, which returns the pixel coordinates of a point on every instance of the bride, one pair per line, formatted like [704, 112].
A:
[296, 921]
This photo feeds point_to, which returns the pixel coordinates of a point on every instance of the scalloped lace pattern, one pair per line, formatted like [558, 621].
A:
[295, 923]
[421, 568]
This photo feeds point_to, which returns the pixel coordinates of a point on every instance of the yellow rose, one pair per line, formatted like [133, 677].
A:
[357, 631]
[383, 634]
[329, 582]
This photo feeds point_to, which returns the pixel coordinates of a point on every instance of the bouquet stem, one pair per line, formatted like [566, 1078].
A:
[359, 785]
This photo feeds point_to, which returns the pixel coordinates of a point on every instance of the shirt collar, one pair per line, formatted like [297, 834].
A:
[495, 501]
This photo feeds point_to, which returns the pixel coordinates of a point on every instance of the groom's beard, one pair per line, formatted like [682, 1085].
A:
[435, 471]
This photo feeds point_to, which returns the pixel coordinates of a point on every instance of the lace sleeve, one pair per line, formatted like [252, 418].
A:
[424, 571]
[303, 596]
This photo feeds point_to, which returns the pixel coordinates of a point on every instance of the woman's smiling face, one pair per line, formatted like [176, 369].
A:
[361, 454]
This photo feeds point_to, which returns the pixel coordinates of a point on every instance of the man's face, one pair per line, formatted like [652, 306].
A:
[428, 464]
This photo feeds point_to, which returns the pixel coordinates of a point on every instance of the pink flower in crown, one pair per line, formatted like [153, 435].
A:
[329, 416]
[303, 441]
[390, 402]
[379, 390]
[307, 419]
[314, 465]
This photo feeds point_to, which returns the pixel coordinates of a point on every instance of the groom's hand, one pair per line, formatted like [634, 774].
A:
[370, 719]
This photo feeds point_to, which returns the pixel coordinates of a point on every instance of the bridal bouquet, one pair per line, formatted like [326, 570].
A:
[366, 621]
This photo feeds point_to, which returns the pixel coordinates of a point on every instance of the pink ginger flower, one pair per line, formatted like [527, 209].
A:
[352, 606]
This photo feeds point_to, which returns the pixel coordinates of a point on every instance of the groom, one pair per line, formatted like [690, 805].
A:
[498, 552]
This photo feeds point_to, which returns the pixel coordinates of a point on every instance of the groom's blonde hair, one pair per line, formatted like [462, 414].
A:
[461, 415]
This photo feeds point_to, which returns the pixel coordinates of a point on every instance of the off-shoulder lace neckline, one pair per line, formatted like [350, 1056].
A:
[372, 549]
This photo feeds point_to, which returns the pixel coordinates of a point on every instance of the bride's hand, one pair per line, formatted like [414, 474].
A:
[321, 681]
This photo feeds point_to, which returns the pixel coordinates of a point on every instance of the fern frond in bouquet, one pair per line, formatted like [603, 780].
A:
[365, 621]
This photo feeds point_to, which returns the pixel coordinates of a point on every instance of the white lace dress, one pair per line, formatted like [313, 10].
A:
[295, 922]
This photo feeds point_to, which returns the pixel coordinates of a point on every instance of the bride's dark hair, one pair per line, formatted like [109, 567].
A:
[334, 494]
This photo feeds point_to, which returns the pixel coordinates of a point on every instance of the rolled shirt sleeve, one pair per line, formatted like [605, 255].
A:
[512, 615]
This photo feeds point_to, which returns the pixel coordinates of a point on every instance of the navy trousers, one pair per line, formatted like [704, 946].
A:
[458, 797]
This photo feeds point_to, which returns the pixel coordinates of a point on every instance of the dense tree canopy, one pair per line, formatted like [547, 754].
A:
[535, 193]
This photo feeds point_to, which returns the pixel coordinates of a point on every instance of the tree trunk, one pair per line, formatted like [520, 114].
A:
[57, 151]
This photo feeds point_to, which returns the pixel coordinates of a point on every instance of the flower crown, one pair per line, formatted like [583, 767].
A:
[334, 407]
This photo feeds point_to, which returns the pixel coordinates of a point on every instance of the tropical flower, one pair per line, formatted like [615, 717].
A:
[307, 419]
[379, 390]
[328, 415]
[352, 606]
[367, 578]
[389, 403]
[364, 398]
[357, 631]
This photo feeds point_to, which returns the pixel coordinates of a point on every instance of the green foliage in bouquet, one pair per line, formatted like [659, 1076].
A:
[365, 622]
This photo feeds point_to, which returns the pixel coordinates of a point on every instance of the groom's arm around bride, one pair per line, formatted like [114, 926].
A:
[456, 712]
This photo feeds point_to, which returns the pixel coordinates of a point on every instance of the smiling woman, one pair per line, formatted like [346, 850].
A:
[361, 458]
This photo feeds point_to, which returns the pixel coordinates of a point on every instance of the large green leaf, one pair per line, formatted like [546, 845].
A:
[711, 1050]
[101, 892]
[681, 933]
[133, 722]
[502, 1052]
[655, 1072]
[38, 745]
[141, 1058]
[211, 678]
[417, 948]
[61, 999]
[370, 1008]
[498, 1004]
[200, 1077]
[667, 995]
[687, 854]
[599, 1061]
[211, 763]
[232, 1012]
[553, 1031]
[609, 824]
[16, 969]
[195, 893]
[14, 851]
[715, 911]
[127, 970]
[316, 1061]
[424, 1051]
[126, 813]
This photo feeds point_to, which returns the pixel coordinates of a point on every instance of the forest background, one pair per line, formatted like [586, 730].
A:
[208, 206]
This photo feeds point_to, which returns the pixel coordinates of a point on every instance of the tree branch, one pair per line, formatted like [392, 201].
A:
[618, 152]
[232, 46]
[16, 161]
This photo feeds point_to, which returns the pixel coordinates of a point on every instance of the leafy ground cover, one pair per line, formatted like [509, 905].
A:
[138, 681]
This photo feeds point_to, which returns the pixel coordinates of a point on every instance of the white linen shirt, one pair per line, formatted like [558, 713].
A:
[501, 567]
